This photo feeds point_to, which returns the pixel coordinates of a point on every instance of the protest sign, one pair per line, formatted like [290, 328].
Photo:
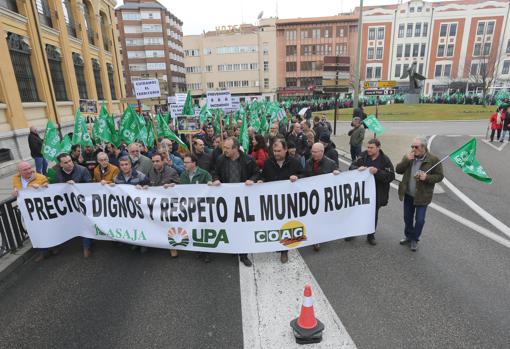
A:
[230, 218]
[146, 88]
[219, 99]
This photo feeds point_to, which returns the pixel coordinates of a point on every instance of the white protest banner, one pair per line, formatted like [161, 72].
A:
[219, 99]
[176, 109]
[230, 218]
[180, 98]
[235, 105]
[146, 88]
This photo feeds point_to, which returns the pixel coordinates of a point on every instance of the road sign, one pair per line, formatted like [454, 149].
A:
[380, 84]
[389, 92]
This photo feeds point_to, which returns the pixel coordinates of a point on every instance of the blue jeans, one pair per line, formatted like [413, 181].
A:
[505, 132]
[414, 218]
[41, 165]
[355, 151]
[86, 242]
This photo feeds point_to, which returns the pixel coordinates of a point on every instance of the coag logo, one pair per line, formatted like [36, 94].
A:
[178, 237]
[291, 234]
[209, 238]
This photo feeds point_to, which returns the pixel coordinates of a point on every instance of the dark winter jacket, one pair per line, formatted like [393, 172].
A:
[204, 161]
[424, 189]
[35, 144]
[300, 141]
[384, 176]
[326, 165]
[79, 174]
[137, 178]
[166, 176]
[331, 152]
[272, 172]
[249, 169]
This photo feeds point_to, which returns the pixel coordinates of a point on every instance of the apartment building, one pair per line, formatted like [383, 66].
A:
[302, 44]
[52, 54]
[456, 44]
[151, 40]
[238, 58]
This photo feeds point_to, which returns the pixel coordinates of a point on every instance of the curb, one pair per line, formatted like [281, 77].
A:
[12, 261]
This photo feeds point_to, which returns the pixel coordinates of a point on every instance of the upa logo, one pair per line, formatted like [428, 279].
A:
[291, 234]
[178, 237]
[209, 238]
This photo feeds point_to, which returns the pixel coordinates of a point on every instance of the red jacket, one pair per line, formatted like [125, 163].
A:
[260, 157]
[493, 121]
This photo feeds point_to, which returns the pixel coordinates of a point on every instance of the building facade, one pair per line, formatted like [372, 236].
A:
[151, 40]
[53, 53]
[241, 59]
[302, 44]
[457, 45]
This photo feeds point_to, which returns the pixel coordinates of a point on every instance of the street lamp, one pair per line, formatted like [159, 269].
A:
[358, 57]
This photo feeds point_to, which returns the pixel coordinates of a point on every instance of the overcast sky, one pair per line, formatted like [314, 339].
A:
[199, 15]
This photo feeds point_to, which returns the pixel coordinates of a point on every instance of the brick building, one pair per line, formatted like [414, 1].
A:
[151, 39]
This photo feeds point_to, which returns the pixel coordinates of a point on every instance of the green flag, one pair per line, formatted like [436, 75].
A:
[205, 114]
[244, 140]
[81, 134]
[374, 124]
[174, 138]
[465, 158]
[150, 135]
[65, 145]
[113, 131]
[101, 131]
[161, 126]
[129, 126]
[51, 144]
[188, 109]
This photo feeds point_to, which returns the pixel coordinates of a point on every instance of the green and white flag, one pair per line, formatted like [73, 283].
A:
[65, 145]
[81, 134]
[244, 140]
[374, 124]
[129, 126]
[51, 144]
[101, 131]
[187, 109]
[465, 158]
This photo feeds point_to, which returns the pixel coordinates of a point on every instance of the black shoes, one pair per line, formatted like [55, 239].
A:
[371, 240]
[246, 261]
[350, 238]
[414, 245]
[316, 247]
[404, 241]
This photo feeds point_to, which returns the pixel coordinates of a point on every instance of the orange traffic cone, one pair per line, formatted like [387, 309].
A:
[307, 329]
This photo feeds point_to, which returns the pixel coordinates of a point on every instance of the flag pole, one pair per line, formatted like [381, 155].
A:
[154, 130]
[442, 160]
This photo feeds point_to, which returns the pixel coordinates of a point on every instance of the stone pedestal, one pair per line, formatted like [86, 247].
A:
[412, 96]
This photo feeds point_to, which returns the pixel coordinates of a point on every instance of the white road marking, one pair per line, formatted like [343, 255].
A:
[271, 296]
[466, 222]
[500, 148]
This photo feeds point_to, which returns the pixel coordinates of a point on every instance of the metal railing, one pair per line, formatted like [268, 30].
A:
[12, 232]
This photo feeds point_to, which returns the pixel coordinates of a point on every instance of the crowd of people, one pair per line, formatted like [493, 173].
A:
[499, 123]
[290, 151]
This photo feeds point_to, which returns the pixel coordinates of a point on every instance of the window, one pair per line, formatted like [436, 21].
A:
[109, 68]
[208, 68]
[477, 50]
[153, 41]
[397, 71]
[150, 28]
[425, 29]
[265, 48]
[341, 31]
[207, 51]
[341, 49]
[377, 72]
[131, 16]
[506, 67]
[453, 29]
[449, 51]
[481, 28]
[439, 69]
[210, 85]
[379, 53]
[405, 68]
[194, 69]
[290, 35]
[370, 54]
[155, 53]
[508, 46]
[291, 50]
[291, 66]
[57, 77]
[440, 51]
[105, 28]
[486, 48]
[483, 69]
[411, 10]
[88, 23]
[380, 33]
[44, 12]
[490, 28]
[407, 52]
[266, 83]
[371, 34]
[136, 54]
[416, 50]
[409, 30]
[132, 29]
[447, 70]
[422, 51]
[151, 15]
[316, 33]
[399, 50]
[9, 4]
[420, 68]
[266, 66]
[97, 78]
[418, 9]
[134, 42]
[192, 53]
[68, 17]
[20, 53]
[306, 34]
[291, 82]
[80, 75]
[369, 72]
[417, 30]
[443, 30]
[401, 30]
[474, 69]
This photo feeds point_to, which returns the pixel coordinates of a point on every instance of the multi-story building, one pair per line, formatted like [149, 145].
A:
[240, 58]
[457, 45]
[53, 53]
[302, 44]
[151, 39]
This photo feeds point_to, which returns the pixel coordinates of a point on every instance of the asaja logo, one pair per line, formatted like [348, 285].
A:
[291, 234]
[178, 237]
[209, 238]
[121, 233]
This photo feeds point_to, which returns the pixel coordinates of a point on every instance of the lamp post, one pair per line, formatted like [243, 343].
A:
[358, 57]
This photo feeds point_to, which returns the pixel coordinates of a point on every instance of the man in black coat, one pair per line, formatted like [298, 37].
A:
[35, 143]
[329, 147]
[381, 167]
[280, 166]
[234, 166]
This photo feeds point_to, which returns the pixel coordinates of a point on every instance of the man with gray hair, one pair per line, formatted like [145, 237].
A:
[357, 134]
[139, 162]
[421, 171]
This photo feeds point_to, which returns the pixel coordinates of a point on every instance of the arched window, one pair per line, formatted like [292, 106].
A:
[9, 4]
[88, 22]
[105, 31]
[97, 77]
[43, 9]
[111, 82]
[20, 53]
[57, 77]
[68, 17]
[80, 75]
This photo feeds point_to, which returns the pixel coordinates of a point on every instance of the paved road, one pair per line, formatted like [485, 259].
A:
[452, 293]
